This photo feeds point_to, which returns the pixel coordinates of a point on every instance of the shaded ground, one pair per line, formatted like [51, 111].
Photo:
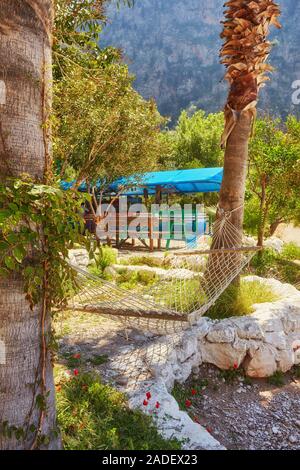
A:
[246, 414]
[98, 340]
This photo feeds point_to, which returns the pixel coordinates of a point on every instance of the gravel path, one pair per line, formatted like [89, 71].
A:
[248, 416]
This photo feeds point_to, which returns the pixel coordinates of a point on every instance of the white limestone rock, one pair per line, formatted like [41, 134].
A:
[170, 421]
[263, 363]
[278, 340]
[79, 257]
[275, 244]
[223, 332]
[285, 360]
[248, 328]
[202, 327]
[223, 355]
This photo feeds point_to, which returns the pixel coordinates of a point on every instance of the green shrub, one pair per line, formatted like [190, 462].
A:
[291, 252]
[288, 271]
[264, 261]
[180, 296]
[107, 256]
[296, 372]
[151, 261]
[237, 301]
[98, 360]
[94, 416]
[269, 263]
[127, 279]
[146, 278]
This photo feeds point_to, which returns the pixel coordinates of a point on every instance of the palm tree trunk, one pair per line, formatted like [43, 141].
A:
[232, 191]
[25, 76]
[244, 54]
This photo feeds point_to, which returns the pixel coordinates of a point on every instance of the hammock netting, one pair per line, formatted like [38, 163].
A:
[180, 295]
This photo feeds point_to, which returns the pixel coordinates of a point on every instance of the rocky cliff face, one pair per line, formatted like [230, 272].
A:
[172, 48]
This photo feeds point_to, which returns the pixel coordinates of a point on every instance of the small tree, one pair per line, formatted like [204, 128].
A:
[196, 141]
[274, 176]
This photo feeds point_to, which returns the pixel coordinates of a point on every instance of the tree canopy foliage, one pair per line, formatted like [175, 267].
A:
[274, 178]
[103, 128]
[195, 141]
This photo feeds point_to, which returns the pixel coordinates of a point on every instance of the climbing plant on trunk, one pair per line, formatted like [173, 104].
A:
[27, 399]
[244, 53]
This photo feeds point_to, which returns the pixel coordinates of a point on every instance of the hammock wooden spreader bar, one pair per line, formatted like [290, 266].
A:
[126, 312]
[246, 249]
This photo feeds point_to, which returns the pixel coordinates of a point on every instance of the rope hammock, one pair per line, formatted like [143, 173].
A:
[180, 296]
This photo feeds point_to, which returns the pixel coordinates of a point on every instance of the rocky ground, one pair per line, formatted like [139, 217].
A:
[247, 414]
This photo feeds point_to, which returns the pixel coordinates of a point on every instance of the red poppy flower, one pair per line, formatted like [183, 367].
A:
[194, 391]
[76, 372]
[145, 403]
[148, 395]
[157, 405]
[77, 356]
[188, 403]
[235, 365]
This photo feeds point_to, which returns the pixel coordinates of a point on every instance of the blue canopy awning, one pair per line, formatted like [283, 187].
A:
[199, 180]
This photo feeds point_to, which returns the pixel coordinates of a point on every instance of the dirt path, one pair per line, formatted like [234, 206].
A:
[289, 234]
[98, 340]
[253, 415]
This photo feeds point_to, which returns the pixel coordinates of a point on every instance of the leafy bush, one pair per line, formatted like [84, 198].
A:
[150, 261]
[237, 301]
[184, 297]
[94, 416]
[107, 256]
[264, 261]
[269, 263]
[127, 279]
[277, 379]
[291, 252]
[146, 277]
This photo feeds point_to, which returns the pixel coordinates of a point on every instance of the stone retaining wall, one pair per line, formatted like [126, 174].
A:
[262, 343]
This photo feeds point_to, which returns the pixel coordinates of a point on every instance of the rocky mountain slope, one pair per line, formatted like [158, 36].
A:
[172, 48]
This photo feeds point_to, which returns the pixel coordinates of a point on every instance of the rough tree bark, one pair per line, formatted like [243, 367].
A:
[25, 77]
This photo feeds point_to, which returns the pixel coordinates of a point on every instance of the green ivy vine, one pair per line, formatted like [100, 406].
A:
[39, 224]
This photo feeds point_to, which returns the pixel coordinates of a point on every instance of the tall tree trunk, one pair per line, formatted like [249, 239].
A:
[25, 77]
[274, 226]
[232, 191]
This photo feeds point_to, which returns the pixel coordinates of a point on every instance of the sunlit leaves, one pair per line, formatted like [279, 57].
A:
[105, 128]
[274, 175]
[39, 224]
